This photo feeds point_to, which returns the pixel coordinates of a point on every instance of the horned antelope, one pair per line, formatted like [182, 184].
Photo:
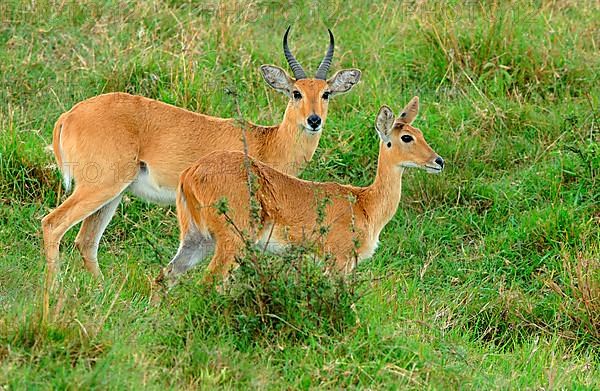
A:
[288, 205]
[117, 142]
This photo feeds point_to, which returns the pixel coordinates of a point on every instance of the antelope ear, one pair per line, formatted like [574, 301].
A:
[343, 81]
[277, 78]
[410, 111]
[384, 123]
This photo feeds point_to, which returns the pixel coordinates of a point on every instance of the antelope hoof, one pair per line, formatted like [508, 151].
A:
[164, 282]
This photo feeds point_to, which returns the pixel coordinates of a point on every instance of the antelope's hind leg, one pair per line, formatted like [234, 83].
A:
[194, 247]
[78, 206]
[92, 228]
[223, 261]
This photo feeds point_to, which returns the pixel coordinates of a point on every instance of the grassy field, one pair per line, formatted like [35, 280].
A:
[487, 277]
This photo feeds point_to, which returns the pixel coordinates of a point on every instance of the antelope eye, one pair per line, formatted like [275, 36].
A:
[406, 138]
[297, 95]
[326, 95]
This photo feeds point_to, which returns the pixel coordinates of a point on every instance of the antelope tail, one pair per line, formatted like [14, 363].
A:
[63, 167]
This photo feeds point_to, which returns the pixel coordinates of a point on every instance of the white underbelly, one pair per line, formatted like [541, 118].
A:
[145, 187]
[368, 248]
[268, 241]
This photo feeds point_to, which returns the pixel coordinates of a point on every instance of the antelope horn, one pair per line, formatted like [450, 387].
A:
[294, 64]
[326, 63]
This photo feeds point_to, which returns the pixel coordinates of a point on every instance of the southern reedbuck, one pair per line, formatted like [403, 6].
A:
[288, 206]
[117, 142]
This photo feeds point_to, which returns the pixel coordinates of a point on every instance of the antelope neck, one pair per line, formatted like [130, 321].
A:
[380, 200]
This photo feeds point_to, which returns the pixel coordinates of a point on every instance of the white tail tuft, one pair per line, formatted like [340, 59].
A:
[66, 167]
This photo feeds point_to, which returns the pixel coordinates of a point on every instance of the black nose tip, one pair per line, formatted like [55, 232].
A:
[439, 161]
[314, 121]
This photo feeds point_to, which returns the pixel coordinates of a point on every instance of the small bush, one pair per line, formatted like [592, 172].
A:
[290, 297]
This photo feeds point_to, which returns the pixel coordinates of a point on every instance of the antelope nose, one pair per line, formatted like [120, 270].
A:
[439, 161]
[314, 121]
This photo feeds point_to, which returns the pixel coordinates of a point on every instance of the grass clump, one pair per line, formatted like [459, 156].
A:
[288, 298]
[578, 289]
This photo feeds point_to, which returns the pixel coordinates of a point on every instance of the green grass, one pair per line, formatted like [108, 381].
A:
[488, 276]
